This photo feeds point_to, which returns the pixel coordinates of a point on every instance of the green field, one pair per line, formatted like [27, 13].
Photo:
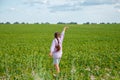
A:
[89, 52]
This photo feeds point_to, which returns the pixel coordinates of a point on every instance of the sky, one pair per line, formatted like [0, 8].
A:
[53, 11]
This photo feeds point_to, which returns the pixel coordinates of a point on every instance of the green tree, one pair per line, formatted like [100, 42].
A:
[7, 23]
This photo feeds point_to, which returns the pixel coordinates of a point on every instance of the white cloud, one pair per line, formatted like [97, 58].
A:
[74, 5]
[45, 1]
[117, 5]
[118, 10]
[12, 9]
[36, 2]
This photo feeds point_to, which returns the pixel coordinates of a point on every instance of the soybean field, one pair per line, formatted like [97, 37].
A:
[90, 52]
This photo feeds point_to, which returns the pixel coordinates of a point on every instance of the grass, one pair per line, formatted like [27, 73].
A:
[89, 52]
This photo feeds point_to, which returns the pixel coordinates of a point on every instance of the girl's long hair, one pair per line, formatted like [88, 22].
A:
[56, 35]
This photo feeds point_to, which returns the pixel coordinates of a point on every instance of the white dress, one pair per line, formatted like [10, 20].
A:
[57, 54]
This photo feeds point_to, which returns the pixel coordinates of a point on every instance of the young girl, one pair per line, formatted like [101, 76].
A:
[56, 49]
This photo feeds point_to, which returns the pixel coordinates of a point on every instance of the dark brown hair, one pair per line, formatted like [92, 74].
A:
[56, 35]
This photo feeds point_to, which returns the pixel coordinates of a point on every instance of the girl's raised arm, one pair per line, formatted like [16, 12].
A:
[63, 32]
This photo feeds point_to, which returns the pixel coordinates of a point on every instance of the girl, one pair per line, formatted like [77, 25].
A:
[56, 49]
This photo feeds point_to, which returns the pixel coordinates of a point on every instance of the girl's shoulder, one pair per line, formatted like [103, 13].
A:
[55, 40]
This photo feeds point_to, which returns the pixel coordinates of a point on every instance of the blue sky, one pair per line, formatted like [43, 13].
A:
[54, 11]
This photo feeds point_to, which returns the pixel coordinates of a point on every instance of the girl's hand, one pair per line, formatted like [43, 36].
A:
[65, 28]
[50, 54]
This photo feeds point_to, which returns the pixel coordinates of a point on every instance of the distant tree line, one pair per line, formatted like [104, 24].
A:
[67, 23]
[23, 23]
[57, 23]
[101, 23]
